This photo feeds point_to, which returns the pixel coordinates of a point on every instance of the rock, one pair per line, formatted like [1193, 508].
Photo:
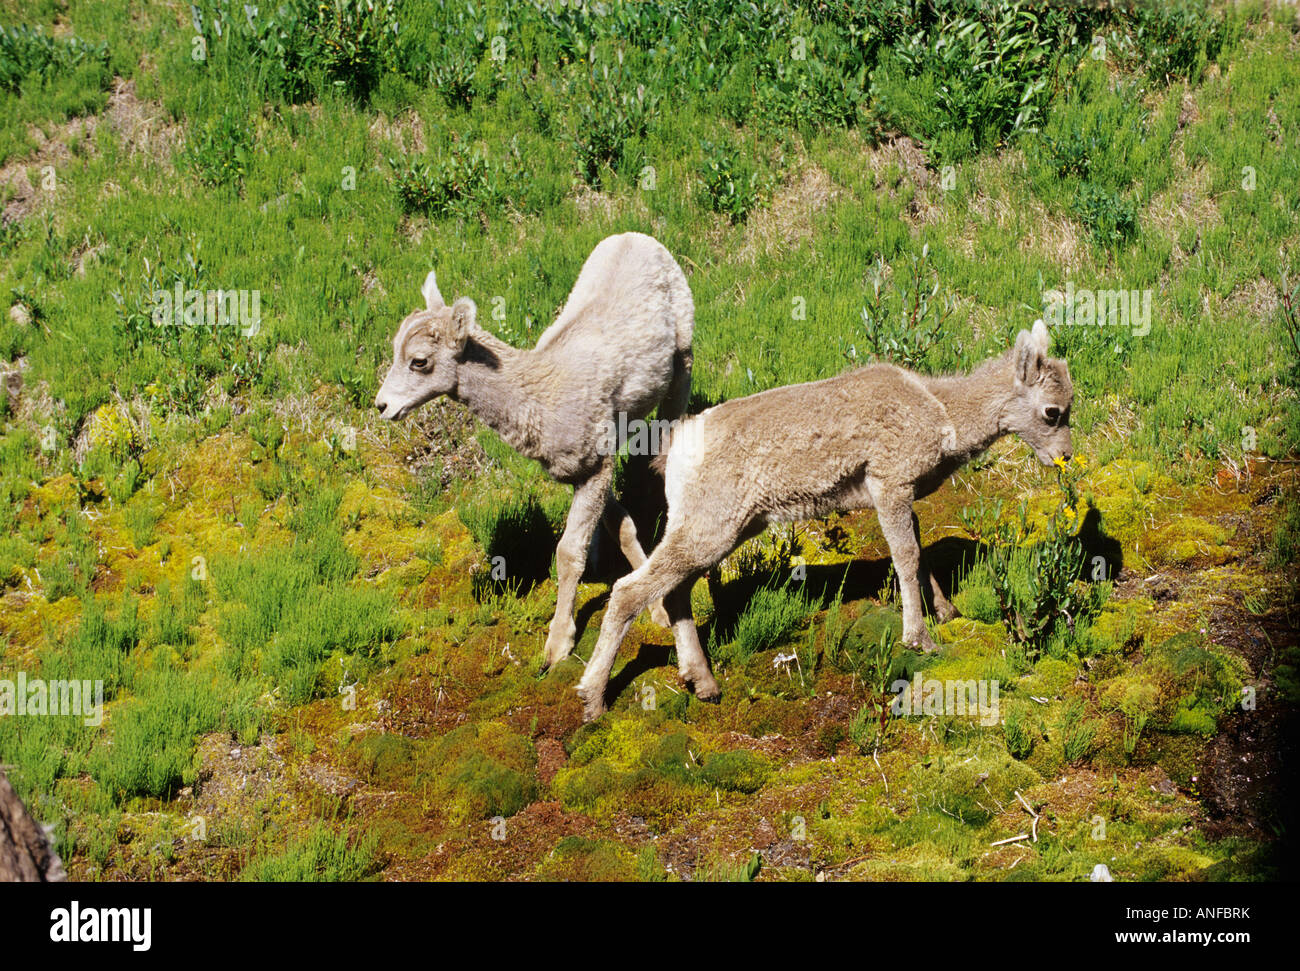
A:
[1101, 874]
[25, 851]
[13, 386]
[20, 315]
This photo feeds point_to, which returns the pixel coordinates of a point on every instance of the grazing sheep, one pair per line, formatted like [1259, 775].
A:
[620, 346]
[877, 437]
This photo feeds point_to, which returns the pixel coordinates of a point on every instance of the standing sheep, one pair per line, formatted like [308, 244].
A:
[620, 346]
[878, 437]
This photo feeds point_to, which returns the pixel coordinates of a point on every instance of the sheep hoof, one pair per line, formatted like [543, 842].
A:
[660, 616]
[557, 649]
[593, 703]
[945, 612]
[923, 642]
[704, 687]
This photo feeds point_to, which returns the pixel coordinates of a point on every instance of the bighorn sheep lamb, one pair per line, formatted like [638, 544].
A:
[877, 437]
[620, 346]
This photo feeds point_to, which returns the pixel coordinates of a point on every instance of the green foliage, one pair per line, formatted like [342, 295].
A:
[1035, 579]
[729, 185]
[219, 152]
[461, 183]
[290, 609]
[1111, 218]
[302, 47]
[1173, 39]
[480, 771]
[29, 54]
[772, 615]
[904, 336]
[724, 871]
[1018, 731]
[981, 74]
[613, 114]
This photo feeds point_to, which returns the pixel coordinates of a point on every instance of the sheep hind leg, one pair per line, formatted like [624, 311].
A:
[671, 565]
[620, 526]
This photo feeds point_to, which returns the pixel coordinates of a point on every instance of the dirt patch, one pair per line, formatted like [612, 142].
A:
[141, 126]
[405, 131]
[788, 221]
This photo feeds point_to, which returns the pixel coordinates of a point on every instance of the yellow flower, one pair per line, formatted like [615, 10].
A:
[1069, 513]
[1060, 462]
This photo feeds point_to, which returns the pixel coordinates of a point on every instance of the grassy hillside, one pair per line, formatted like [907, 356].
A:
[308, 668]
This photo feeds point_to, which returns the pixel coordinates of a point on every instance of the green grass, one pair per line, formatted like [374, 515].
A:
[319, 856]
[905, 180]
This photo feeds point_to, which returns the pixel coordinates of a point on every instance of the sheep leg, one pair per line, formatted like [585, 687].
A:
[894, 510]
[571, 560]
[673, 562]
[620, 526]
[692, 664]
[943, 608]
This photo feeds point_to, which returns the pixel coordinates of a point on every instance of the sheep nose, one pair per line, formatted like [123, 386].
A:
[381, 405]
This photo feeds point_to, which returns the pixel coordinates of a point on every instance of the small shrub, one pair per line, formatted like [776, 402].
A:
[28, 53]
[1111, 218]
[462, 183]
[219, 152]
[903, 336]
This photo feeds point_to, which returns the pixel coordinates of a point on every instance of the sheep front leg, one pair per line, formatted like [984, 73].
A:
[894, 510]
[571, 560]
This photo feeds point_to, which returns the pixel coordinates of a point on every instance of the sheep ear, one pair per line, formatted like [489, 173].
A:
[464, 314]
[1029, 355]
[1040, 335]
[432, 296]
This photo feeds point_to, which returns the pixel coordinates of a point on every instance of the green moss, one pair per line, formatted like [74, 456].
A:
[737, 771]
[479, 771]
[588, 860]
[1188, 539]
[1050, 678]
[383, 759]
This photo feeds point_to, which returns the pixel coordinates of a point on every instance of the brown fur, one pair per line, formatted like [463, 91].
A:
[877, 437]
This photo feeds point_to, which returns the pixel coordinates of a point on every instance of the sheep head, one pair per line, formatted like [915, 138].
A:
[1039, 407]
[426, 353]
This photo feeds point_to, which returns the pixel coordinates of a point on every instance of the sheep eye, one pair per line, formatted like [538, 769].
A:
[1052, 414]
[419, 363]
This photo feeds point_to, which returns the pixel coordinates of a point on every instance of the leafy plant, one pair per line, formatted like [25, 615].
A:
[28, 53]
[462, 183]
[729, 187]
[904, 337]
[1036, 580]
[1111, 218]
